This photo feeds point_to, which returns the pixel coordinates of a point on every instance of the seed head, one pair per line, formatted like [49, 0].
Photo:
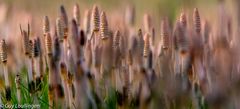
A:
[164, 34]
[3, 51]
[181, 40]
[103, 26]
[74, 30]
[36, 48]
[197, 21]
[140, 42]
[46, 25]
[25, 39]
[17, 81]
[57, 49]
[146, 45]
[48, 43]
[31, 49]
[87, 21]
[60, 29]
[183, 20]
[130, 15]
[116, 39]
[130, 58]
[76, 13]
[95, 18]
[63, 69]
[147, 23]
[64, 16]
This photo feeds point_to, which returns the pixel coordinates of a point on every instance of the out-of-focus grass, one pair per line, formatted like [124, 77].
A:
[38, 98]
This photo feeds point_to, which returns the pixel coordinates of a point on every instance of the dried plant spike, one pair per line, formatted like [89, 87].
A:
[60, 29]
[197, 21]
[147, 23]
[57, 49]
[25, 39]
[164, 34]
[181, 41]
[95, 18]
[146, 45]
[64, 16]
[3, 51]
[76, 14]
[36, 48]
[116, 39]
[206, 32]
[140, 41]
[183, 19]
[30, 48]
[87, 21]
[130, 58]
[103, 26]
[48, 44]
[130, 15]
[63, 69]
[46, 25]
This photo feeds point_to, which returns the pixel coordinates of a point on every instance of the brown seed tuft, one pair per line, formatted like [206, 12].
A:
[3, 51]
[25, 42]
[103, 26]
[116, 40]
[87, 21]
[36, 48]
[181, 40]
[63, 16]
[95, 18]
[183, 20]
[48, 44]
[130, 15]
[76, 13]
[46, 25]
[30, 48]
[146, 45]
[147, 23]
[197, 21]
[165, 34]
[60, 29]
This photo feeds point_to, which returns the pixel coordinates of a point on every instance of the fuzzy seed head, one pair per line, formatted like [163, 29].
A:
[46, 25]
[60, 29]
[17, 81]
[130, 15]
[76, 13]
[95, 19]
[183, 20]
[48, 43]
[116, 39]
[87, 21]
[31, 49]
[25, 39]
[164, 34]
[197, 21]
[146, 48]
[36, 48]
[140, 41]
[63, 70]
[64, 16]
[147, 23]
[181, 40]
[57, 49]
[3, 51]
[103, 26]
